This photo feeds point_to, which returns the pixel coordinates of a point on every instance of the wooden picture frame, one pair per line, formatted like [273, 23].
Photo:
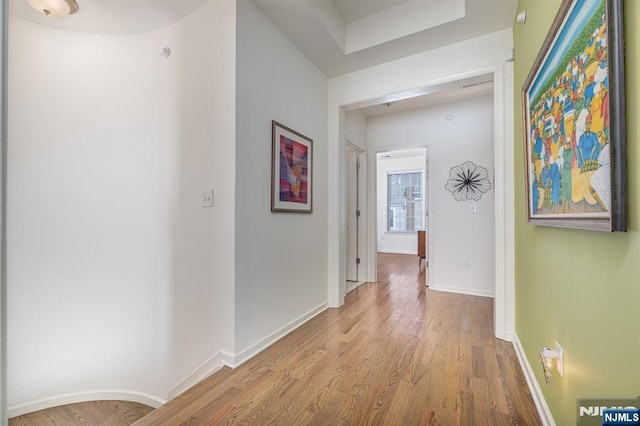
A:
[574, 121]
[291, 170]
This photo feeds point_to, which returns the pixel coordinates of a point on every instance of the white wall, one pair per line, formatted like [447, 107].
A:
[394, 242]
[92, 184]
[356, 129]
[454, 232]
[202, 307]
[281, 258]
[120, 284]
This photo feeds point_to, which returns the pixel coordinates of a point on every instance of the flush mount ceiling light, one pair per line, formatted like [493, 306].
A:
[55, 8]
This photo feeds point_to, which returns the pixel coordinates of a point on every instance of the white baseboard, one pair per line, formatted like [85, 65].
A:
[222, 358]
[461, 290]
[352, 285]
[97, 395]
[508, 335]
[269, 340]
[534, 387]
[207, 368]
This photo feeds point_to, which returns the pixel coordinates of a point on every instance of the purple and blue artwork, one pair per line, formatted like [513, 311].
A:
[294, 166]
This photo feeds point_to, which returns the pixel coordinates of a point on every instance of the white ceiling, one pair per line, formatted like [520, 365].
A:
[306, 21]
[459, 90]
[311, 25]
[352, 10]
[374, 31]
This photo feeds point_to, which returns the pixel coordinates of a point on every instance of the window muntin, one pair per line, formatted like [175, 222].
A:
[404, 201]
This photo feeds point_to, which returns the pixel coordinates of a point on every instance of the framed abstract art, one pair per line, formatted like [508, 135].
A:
[291, 170]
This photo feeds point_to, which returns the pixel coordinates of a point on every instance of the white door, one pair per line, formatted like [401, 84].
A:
[353, 260]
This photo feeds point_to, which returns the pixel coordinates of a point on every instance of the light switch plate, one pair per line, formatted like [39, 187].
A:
[207, 198]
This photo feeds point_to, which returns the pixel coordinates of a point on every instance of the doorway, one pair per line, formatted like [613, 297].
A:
[403, 203]
[356, 98]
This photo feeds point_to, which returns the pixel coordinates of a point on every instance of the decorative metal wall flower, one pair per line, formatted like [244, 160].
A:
[468, 181]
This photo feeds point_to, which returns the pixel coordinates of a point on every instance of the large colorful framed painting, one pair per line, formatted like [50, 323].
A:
[573, 105]
[291, 170]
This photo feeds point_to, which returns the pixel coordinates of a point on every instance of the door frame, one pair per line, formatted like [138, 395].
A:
[3, 210]
[362, 275]
[504, 297]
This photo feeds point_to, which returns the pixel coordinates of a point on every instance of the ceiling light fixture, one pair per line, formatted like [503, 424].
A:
[55, 8]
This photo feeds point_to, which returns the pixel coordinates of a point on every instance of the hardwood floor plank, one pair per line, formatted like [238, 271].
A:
[496, 390]
[398, 412]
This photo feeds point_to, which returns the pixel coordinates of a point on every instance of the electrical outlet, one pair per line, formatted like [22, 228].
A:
[464, 263]
[207, 199]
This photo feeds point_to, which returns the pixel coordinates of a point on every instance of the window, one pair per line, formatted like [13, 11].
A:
[404, 201]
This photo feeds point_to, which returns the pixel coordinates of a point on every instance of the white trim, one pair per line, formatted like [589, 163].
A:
[372, 225]
[509, 336]
[509, 247]
[503, 313]
[351, 285]
[207, 368]
[412, 252]
[534, 387]
[462, 290]
[336, 263]
[222, 358]
[261, 345]
[4, 31]
[427, 175]
[95, 395]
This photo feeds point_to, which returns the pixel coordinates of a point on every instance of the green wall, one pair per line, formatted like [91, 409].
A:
[579, 288]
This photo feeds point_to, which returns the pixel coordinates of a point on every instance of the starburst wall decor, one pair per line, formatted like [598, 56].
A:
[468, 181]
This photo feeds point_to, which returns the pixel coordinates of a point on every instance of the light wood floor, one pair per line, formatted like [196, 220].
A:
[396, 353]
[112, 413]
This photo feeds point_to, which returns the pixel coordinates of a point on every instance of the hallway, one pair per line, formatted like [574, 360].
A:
[395, 353]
